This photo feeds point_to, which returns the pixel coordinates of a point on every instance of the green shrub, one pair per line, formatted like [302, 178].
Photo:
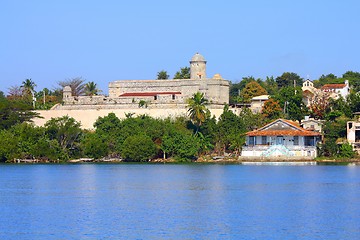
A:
[138, 148]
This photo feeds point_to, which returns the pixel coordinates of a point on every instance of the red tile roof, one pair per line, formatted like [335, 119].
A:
[147, 94]
[294, 130]
[283, 133]
[333, 86]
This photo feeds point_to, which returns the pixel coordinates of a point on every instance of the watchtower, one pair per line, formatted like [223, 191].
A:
[67, 93]
[197, 67]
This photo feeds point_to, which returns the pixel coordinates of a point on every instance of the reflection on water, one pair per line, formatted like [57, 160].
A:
[179, 202]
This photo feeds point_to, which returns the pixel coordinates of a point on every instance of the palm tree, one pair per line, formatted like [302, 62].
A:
[28, 86]
[91, 89]
[28, 91]
[197, 109]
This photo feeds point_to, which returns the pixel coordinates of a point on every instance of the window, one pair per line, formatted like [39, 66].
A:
[296, 140]
[173, 97]
[309, 141]
[251, 140]
[155, 97]
[263, 140]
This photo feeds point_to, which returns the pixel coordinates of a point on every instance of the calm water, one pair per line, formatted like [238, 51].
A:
[131, 201]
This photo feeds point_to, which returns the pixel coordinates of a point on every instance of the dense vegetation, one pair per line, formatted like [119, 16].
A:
[132, 139]
[185, 138]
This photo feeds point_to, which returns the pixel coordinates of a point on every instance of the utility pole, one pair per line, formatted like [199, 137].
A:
[33, 97]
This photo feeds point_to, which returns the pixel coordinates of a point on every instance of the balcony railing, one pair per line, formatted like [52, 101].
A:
[265, 147]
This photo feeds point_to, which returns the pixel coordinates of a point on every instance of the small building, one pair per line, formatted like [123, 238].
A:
[353, 134]
[337, 90]
[312, 124]
[334, 91]
[281, 138]
[257, 103]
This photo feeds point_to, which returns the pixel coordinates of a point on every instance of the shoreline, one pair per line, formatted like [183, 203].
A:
[257, 161]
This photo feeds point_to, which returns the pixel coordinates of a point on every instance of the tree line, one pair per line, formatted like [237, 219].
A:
[184, 138]
[138, 138]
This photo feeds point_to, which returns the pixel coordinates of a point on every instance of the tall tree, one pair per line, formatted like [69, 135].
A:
[162, 75]
[287, 79]
[67, 132]
[108, 128]
[230, 131]
[197, 109]
[252, 89]
[236, 88]
[28, 85]
[77, 85]
[270, 85]
[28, 91]
[290, 100]
[246, 80]
[184, 73]
[91, 89]
[272, 110]
[354, 79]
[13, 112]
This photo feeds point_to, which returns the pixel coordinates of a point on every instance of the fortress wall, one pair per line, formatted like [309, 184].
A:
[88, 117]
[216, 90]
[117, 88]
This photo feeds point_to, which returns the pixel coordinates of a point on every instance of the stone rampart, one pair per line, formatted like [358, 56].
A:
[88, 117]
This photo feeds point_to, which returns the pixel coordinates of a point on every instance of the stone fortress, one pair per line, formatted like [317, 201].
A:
[156, 98]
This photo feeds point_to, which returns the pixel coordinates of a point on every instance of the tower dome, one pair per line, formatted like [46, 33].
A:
[198, 67]
[67, 89]
[198, 58]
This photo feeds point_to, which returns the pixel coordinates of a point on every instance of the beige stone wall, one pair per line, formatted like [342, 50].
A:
[88, 117]
[216, 90]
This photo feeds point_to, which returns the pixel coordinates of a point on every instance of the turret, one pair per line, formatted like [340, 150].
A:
[67, 93]
[197, 67]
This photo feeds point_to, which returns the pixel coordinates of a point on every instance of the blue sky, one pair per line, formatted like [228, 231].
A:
[103, 41]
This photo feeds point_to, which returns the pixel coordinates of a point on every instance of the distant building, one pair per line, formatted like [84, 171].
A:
[157, 93]
[337, 90]
[310, 93]
[312, 124]
[257, 103]
[353, 135]
[156, 98]
[281, 138]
